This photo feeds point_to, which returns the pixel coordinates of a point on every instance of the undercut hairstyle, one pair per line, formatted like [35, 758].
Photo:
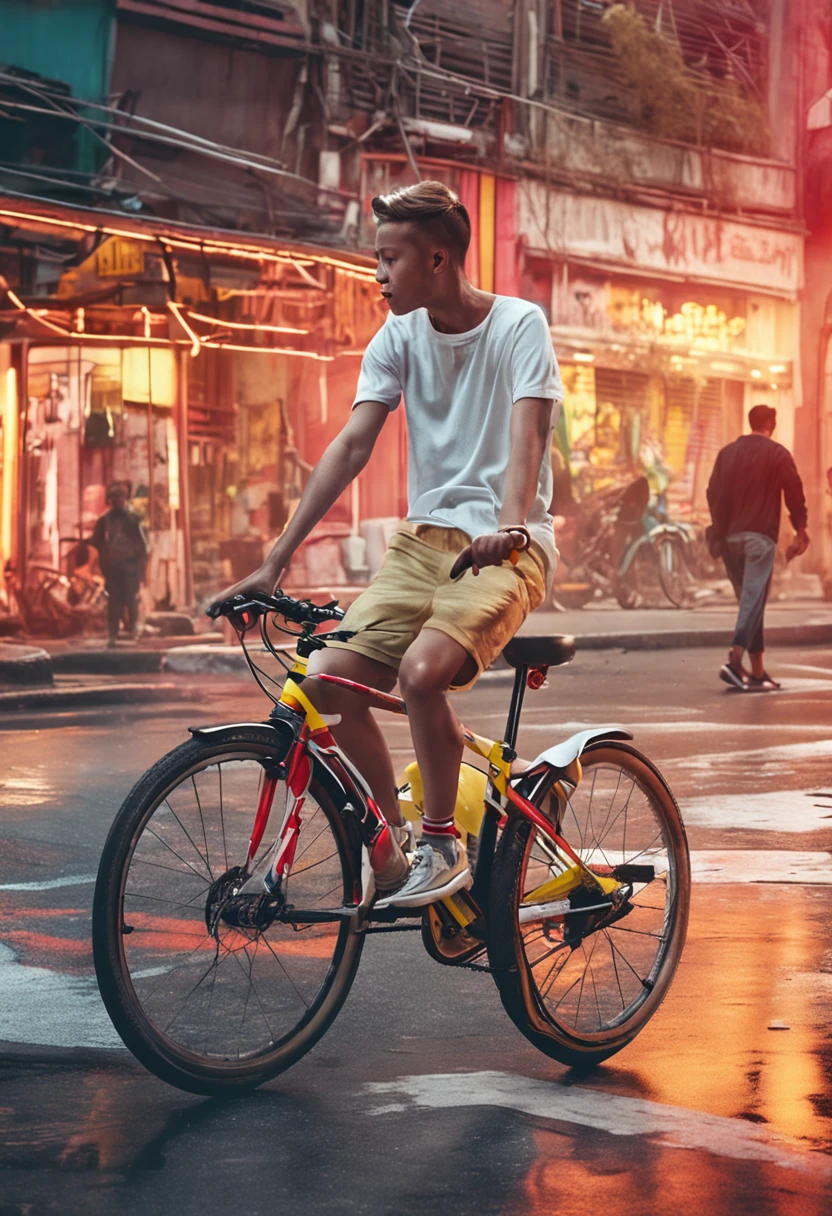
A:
[431, 205]
[762, 418]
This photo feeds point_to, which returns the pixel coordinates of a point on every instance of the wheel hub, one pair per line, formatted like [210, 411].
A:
[227, 905]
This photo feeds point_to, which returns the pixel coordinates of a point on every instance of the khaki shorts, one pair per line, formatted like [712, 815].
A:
[413, 591]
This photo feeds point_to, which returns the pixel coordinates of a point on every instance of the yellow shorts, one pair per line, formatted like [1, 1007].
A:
[413, 591]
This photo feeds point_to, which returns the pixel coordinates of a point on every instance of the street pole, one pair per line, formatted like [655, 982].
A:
[184, 484]
[824, 457]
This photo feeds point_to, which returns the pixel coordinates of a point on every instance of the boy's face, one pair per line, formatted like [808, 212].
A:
[409, 267]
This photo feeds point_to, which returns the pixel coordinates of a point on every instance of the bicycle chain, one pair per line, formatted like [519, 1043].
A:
[483, 968]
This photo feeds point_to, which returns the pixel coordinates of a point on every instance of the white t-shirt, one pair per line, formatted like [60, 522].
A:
[458, 391]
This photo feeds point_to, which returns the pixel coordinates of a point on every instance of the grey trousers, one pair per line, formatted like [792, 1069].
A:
[749, 560]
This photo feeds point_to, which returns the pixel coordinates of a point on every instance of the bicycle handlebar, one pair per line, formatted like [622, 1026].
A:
[257, 604]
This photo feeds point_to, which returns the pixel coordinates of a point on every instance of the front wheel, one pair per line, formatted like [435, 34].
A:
[204, 1000]
[581, 990]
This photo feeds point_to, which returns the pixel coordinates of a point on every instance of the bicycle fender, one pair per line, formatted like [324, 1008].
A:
[563, 754]
[282, 732]
[669, 530]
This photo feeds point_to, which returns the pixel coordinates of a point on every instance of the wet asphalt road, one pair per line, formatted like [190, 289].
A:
[423, 1098]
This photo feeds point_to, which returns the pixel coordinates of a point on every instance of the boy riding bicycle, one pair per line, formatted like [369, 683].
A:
[479, 380]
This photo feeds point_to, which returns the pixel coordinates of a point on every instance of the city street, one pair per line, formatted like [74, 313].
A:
[423, 1098]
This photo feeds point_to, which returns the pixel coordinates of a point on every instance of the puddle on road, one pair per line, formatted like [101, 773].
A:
[50, 1008]
[23, 787]
[773, 811]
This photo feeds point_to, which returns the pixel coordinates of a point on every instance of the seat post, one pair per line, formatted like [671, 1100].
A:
[517, 694]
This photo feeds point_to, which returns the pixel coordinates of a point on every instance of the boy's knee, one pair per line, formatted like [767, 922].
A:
[419, 677]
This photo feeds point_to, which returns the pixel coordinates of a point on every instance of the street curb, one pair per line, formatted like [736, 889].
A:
[213, 659]
[218, 659]
[108, 662]
[680, 639]
[96, 694]
[25, 665]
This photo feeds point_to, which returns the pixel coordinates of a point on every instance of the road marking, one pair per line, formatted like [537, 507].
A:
[50, 884]
[772, 811]
[47, 1008]
[672, 1126]
[761, 865]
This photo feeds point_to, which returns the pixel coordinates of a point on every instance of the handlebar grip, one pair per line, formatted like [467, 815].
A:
[257, 603]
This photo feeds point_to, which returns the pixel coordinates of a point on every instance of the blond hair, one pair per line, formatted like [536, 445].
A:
[431, 204]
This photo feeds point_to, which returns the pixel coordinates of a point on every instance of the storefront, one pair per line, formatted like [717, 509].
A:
[211, 401]
[668, 327]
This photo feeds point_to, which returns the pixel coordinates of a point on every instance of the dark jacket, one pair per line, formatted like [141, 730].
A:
[747, 481]
[121, 543]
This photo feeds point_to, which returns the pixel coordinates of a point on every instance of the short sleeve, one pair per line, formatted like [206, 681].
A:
[534, 368]
[379, 378]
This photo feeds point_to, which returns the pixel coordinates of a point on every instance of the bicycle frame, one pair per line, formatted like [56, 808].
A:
[313, 744]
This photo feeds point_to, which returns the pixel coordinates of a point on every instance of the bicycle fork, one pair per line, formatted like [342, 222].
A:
[373, 829]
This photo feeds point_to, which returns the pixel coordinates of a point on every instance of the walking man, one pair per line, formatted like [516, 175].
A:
[744, 496]
[122, 553]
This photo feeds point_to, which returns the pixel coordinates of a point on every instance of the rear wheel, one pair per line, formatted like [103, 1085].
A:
[582, 996]
[205, 1002]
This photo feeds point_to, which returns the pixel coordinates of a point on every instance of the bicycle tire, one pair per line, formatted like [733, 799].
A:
[513, 973]
[169, 1061]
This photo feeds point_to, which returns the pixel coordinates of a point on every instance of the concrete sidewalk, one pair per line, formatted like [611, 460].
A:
[793, 623]
[606, 627]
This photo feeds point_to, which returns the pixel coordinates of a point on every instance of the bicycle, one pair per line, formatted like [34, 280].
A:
[224, 948]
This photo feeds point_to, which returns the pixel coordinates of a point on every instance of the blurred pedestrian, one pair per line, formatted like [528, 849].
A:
[744, 495]
[122, 552]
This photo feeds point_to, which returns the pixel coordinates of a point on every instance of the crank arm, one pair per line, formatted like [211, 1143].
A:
[529, 913]
[315, 916]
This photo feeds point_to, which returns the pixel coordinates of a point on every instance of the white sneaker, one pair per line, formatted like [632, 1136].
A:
[431, 877]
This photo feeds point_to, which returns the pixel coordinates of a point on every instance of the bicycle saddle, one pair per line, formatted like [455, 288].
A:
[551, 651]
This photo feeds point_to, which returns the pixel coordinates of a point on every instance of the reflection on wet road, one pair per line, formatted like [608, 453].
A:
[423, 1097]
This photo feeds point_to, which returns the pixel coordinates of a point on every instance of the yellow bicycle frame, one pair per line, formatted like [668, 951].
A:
[472, 795]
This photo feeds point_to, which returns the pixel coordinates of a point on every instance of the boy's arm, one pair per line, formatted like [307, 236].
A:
[531, 425]
[342, 461]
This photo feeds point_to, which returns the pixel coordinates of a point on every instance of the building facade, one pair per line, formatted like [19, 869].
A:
[186, 233]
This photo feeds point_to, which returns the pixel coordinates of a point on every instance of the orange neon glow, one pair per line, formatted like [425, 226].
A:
[270, 350]
[177, 312]
[147, 340]
[272, 329]
[250, 252]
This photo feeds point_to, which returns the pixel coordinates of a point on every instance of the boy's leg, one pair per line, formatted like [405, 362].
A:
[433, 662]
[431, 665]
[358, 733]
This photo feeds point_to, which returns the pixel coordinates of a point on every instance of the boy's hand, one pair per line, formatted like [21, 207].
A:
[491, 549]
[266, 579]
